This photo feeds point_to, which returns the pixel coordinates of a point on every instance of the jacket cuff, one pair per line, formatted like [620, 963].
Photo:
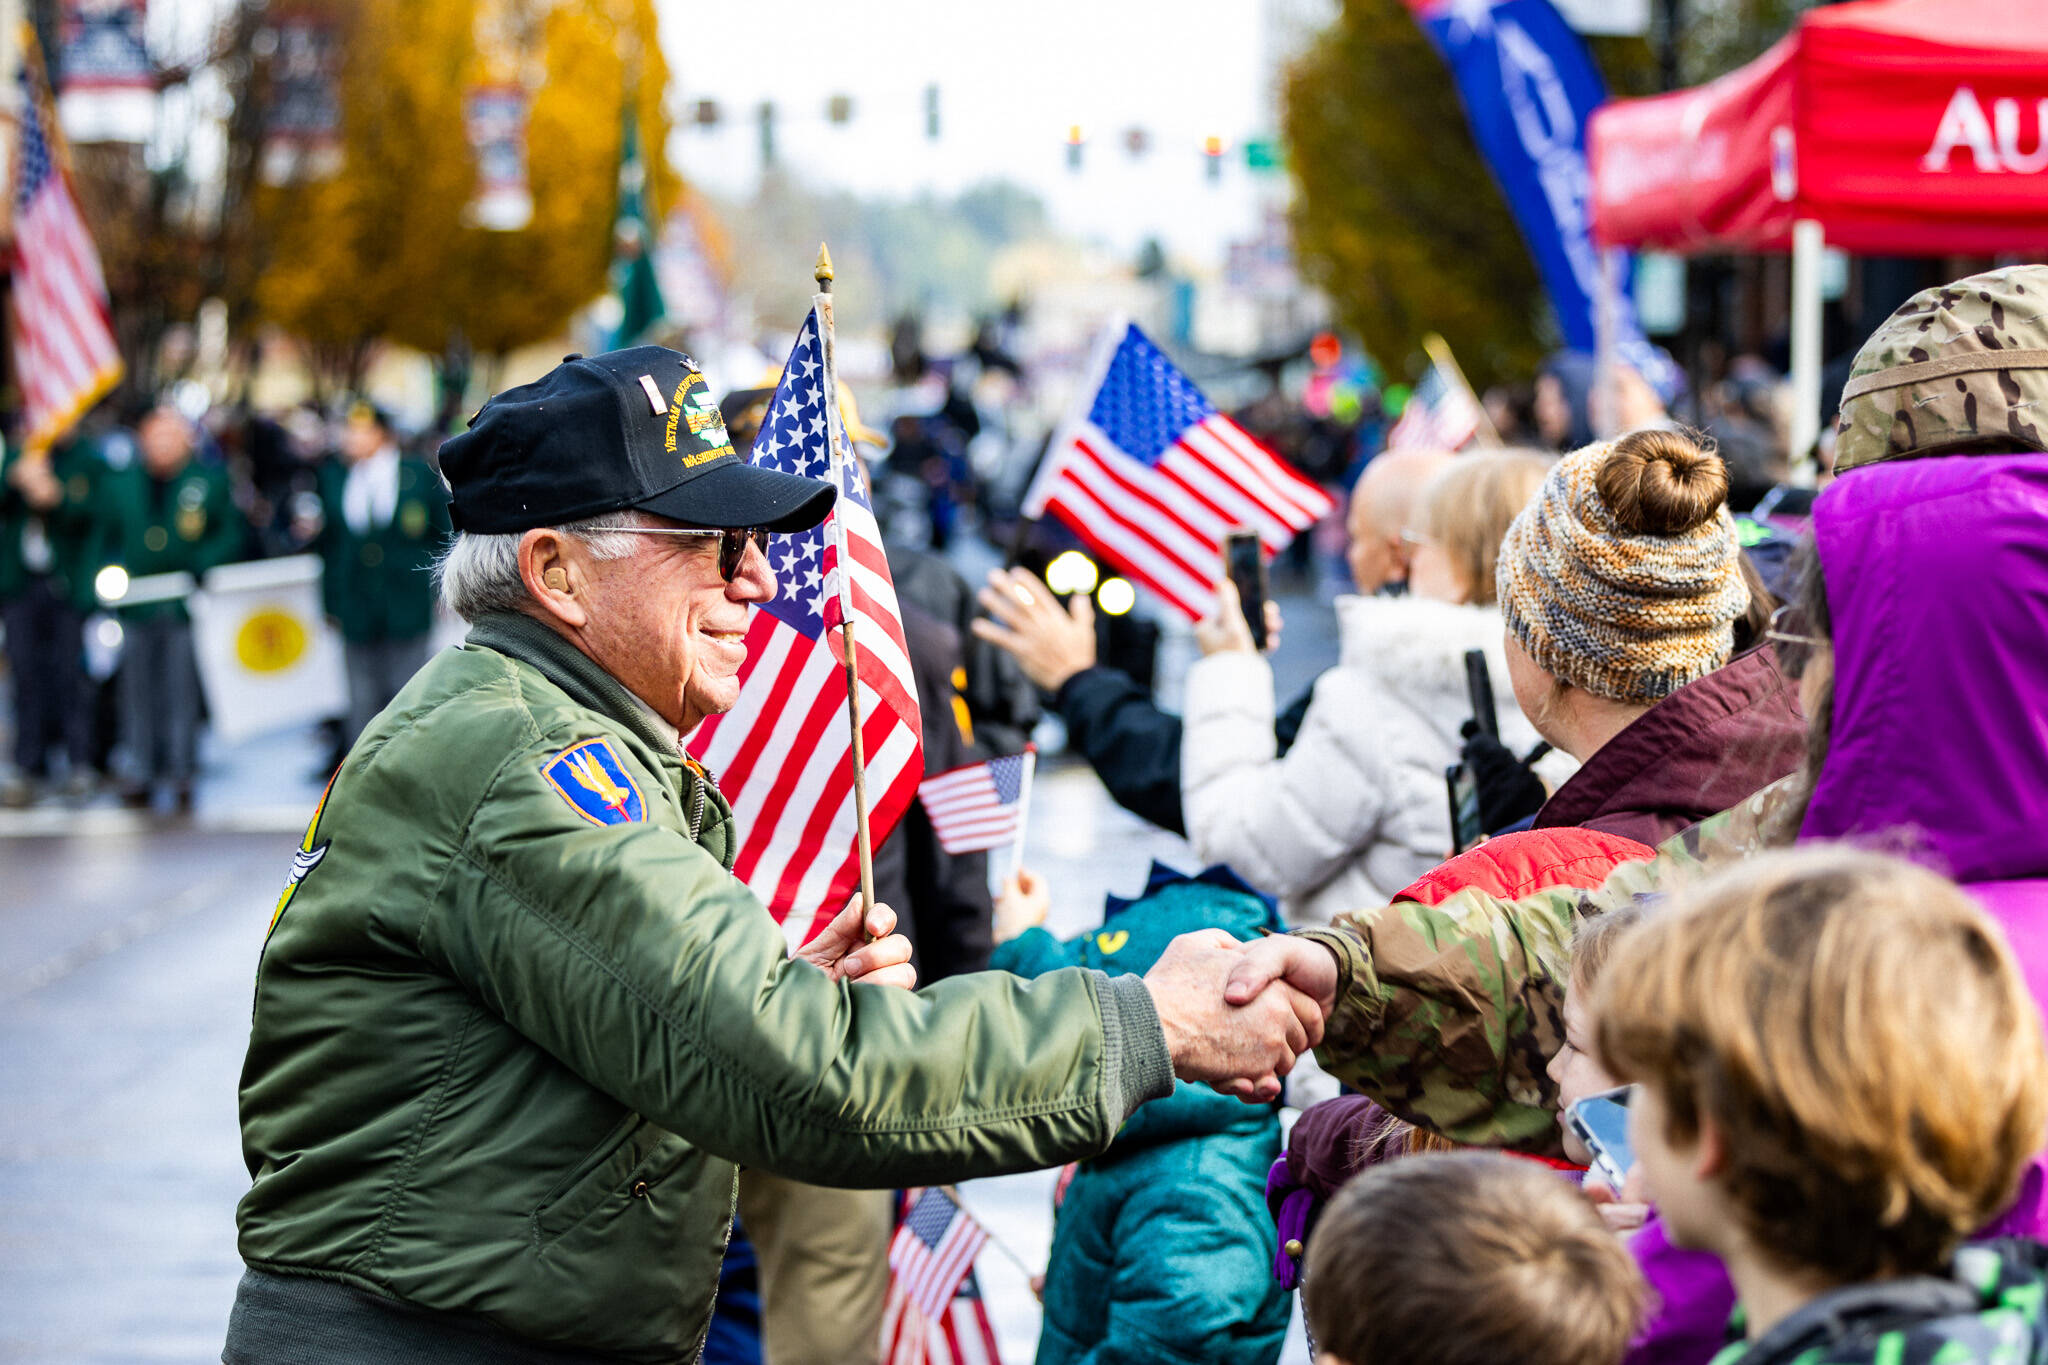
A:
[1135, 1064]
[1092, 682]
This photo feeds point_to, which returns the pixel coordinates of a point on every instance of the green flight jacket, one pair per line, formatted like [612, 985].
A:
[1448, 1015]
[188, 523]
[70, 530]
[380, 585]
[509, 1042]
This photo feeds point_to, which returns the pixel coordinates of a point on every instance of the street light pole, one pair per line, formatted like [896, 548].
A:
[1671, 16]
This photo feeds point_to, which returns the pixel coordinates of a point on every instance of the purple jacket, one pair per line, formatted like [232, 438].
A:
[1937, 574]
[1937, 577]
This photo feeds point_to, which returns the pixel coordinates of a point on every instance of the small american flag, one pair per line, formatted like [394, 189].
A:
[784, 752]
[980, 805]
[1441, 414]
[963, 1336]
[64, 353]
[1153, 478]
[931, 1267]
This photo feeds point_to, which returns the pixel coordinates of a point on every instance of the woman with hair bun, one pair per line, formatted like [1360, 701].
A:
[1621, 587]
[1355, 810]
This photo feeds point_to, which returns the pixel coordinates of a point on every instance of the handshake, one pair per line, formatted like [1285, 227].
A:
[1237, 1015]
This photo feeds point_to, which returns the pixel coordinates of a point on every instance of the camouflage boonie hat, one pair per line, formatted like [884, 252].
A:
[1967, 362]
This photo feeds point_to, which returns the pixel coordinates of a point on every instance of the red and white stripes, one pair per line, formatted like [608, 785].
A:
[1163, 524]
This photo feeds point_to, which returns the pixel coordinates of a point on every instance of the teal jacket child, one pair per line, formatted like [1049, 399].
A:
[1163, 1250]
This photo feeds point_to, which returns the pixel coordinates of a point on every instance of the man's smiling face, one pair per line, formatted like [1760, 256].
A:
[669, 628]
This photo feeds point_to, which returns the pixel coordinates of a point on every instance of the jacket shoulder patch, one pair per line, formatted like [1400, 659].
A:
[592, 778]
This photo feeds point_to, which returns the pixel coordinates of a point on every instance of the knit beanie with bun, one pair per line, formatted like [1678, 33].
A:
[1622, 577]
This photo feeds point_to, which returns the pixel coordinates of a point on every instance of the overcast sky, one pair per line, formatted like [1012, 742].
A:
[1013, 77]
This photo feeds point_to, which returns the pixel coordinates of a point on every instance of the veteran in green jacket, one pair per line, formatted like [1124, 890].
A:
[48, 554]
[386, 522]
[167, 513]
[516, 1023]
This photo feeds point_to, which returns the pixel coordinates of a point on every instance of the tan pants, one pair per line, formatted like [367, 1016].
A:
[824, 1267]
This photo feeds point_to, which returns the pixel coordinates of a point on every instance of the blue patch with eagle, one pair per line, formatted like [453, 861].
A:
[591, 777]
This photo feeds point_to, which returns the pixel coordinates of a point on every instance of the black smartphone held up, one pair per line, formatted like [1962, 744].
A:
[1601, 1122]
[1245, 560]
[1479, 686]
[1466, 826]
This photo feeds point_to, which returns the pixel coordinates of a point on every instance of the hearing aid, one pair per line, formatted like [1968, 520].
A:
[556, 579]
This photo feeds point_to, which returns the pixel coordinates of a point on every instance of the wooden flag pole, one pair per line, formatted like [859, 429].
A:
[841, 451]
[1440, 355]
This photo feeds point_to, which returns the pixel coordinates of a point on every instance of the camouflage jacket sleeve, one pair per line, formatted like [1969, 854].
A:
[1448, 1014]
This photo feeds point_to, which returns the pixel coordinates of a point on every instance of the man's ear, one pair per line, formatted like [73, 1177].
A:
[556, 574]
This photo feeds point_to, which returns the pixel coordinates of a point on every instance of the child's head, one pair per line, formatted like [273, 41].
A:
[1573, 1068]
[1841, 1070]
[1468, 1258]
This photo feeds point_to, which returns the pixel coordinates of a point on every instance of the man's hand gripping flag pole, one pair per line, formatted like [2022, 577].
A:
[842, 451]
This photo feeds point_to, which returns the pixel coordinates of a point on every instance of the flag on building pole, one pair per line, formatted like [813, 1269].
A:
[1153, 477]
[60, 331]
[783, 752]
[1441, 414]
[981, 805]
[633, 284]
[934, 1314]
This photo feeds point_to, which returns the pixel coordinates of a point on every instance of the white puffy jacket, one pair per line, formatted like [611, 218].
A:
[1357, 808]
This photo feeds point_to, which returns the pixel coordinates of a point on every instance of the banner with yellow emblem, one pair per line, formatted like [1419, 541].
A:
[267, 656]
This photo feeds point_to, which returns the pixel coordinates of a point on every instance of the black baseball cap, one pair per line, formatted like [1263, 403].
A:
[635, 428]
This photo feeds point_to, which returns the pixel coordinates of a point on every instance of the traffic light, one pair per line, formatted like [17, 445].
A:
[1212, 154]
[704, 113]
[1075, 141]
[839, 110]
[766, 116]
[1137, 141]
[931, 113]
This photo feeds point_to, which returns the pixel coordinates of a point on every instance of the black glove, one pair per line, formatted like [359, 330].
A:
[1509, 790]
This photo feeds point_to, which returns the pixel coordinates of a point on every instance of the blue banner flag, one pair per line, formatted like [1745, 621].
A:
[1528, 86]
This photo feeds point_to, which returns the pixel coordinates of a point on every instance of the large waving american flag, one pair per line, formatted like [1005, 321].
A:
[1153, 477]
[64, 353]
[783, 754]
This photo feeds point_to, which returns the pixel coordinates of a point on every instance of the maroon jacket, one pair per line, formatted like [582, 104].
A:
[1708, 746]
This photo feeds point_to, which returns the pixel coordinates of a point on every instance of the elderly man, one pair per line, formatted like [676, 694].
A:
[515, 1020]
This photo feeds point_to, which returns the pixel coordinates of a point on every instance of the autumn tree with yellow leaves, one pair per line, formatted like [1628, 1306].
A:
[382, 250]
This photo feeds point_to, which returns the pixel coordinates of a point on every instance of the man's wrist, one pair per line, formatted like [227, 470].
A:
[1137, 1054]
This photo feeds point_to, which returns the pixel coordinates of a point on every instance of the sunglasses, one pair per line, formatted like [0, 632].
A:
[732, 545]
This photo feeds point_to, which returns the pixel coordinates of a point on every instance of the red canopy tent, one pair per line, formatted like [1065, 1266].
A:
[1904, 127]
[1888, 127]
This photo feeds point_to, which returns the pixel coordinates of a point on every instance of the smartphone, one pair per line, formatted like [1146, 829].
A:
[1245, 560]
[1601, 1122]
[1479, 688]
[1466, 826]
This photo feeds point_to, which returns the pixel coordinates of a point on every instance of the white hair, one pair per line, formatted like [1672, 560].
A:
[479, 574]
